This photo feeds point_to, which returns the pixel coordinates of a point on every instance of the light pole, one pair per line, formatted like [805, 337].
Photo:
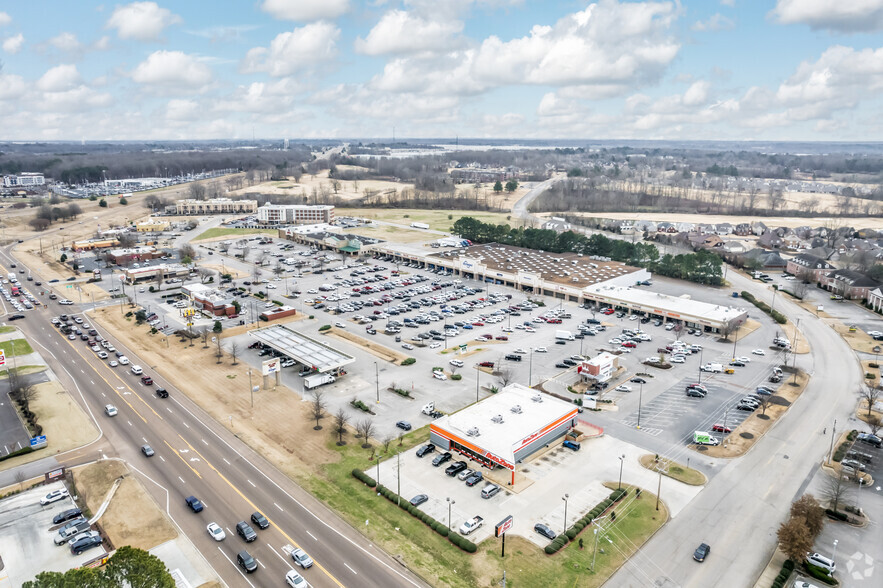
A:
[564, 498]
[477, 377]
[377, 381]
[450, 503]
[835, 549]
[833, 434]
[640, 399]
[700, 366]
[621, 461]
[530, 370]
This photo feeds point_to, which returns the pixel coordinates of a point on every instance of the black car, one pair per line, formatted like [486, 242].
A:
[428, 448]
[419, 499]
[560, 342]
[544, 530]
[592, 321]
[455, 468]
[88, 542]
[746, 407]
[568, 362]
[66, 515]
[638, 380]
[441, 458]
[245, 531]
[162, 392]
[15, 317]
[260, 520]
[474, 479]
[246, 561]
[561, 365]
[194, 503]
[701, 552]
[404, 425]
[737, 363]
[870, 439]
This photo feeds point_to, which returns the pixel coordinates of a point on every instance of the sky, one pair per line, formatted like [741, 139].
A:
[790, 70]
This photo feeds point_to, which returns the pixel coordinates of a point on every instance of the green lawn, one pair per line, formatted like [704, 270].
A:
[16, 347]
[24, 370]
[224, 232]
[442, 564]
[6, 329]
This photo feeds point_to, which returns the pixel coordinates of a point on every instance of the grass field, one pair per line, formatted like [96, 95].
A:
[6, 329]
[224, 232]
[24, 370]
[435, 558]
[675, 470]
[436, 219]
[14, 347]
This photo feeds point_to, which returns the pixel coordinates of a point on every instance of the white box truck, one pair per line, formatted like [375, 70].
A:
[564, 335]
[703, 438]
[419, 225]
[317, 380]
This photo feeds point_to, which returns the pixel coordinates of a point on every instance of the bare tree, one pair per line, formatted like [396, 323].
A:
[835, 489]
[364, 430]
[341, 420]
[234, 349]
[800, 288]
[874, 423]
[765, 401]
[504, 376]
[387, 439]
[20, 389]
[187, 252]
[204, 334]
[205, 274]
[197, 191]
[317, 408]
[19, 478]
[219, 353]
[870, 394]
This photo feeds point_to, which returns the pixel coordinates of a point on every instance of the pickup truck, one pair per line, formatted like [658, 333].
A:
[470, 525]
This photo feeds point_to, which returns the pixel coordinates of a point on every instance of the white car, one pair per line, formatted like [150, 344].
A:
[759, 352]
[124, 360]
[678, 359]
[435, 345]
[541, 350]
[439, 375]
[301, 558]
[216, 532]
[407, 346]
[519, 351]
[482, 339]
[456, 363]
[295, 580]
[508, 330]
[623, 388]
[340, 325]
[743, 359]
[271, 287]
[110, 410]
[113, 363]
[529, 330]
[54, 496]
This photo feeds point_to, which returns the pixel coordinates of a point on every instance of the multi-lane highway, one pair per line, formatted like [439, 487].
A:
[196, 456]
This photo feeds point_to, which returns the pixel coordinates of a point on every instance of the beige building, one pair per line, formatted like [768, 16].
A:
[295, 214]
[189, 206]
[152, 226]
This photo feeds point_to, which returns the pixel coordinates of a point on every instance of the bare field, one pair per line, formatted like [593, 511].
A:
[436, 219]
[770, 221]
[132, 517]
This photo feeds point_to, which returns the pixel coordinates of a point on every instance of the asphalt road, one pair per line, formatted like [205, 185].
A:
[196, 456]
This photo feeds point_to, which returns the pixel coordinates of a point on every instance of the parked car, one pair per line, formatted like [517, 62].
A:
[544, 530]
[88, 541]
[426, 449]
[870, 439]
[66, 515]
[490, 490]
[419, 499]
[54, 496]
[404, 425]
[474, 479]
[441, 458]
[721, 428]
[456, 468]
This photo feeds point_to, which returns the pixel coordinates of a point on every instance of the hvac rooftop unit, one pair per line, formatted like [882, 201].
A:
[516, 409]
[473, 432]
[537, 398]
[498, 419]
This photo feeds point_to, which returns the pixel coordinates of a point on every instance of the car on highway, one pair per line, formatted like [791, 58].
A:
[147, 380]
[123, 360]
[54, 496]
[110, 410]
[194, 504]
[301, 558]
[425, 450]
[244, 559]
[701, 552]
[419, 499]
[113, 363]
[295, 580]
[243, 529]
[260, 520]
[544, 530]
[216, 532]
[404, 425]
[441, 458]
[162, 392]
[147, 450]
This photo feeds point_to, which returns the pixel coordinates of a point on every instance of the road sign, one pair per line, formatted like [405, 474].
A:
[2, 357]
[503, 526]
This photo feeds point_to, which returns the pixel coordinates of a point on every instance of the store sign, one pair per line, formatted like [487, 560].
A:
[503, 526]
[271, 366]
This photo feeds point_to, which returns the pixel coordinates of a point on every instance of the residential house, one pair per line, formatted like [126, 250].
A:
[849, 284]
[758, 228]
[705, 229]
[809, 267]
[734, 246]
[666, 228]
[791, 241]
[646, 226]
[702, 241]
[770, 240]
[723, 229]
[685, 228]
[743, 229]
[875, 299]
[768, 260]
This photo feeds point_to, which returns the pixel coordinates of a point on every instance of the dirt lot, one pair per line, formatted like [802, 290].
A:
[756, 425]
[132, 517]
[858, 340]
[64, 423]
[278, 427]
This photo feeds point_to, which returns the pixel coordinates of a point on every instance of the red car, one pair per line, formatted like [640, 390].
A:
[501, 338]
[608, 311]
[147, 380]
[629, 344]
[487, 364]
[721, 429]
[478, 324]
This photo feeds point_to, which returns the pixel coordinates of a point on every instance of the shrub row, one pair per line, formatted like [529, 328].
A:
[409, 361]
[784, 574]
[364, 478]
[841, 450]
[561, 540]
[456, 377]
[819, 574]
[775, 314]
[402, 392]
[836, 514]
[324, 327]
[437, 526]
[21, 451]
[852, 435]
[360, 405]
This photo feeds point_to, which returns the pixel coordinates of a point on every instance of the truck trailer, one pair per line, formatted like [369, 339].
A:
[317, 380]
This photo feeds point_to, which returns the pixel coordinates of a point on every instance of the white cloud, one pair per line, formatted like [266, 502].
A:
[268, 99]
[102, 44]
[182, 110]
[305, 10]
[851, 16]
[223, 34]
[730, 3]
[401, 32]
[5, 19]
[696, 94]
[172, 71]
[66, 42]
[12, 87]
[14, 43]
[716, 22]
[78, 99]
[142, 21]
[301, 49]
[59, 79]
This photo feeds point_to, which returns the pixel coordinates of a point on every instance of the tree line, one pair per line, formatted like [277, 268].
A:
[703, 267]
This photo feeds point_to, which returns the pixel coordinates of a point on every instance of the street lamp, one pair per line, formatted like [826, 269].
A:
[835, 549]
[621, 461]
[450, 502]
[377, 381]
[564, 498]
[530, 370]
[477, 376]
[640, 399]
[700, 366]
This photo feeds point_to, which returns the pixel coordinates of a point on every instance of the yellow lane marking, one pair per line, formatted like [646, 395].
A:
[182, 459]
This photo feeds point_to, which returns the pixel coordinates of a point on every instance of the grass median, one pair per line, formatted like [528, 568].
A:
[15, 347]
[674, 470]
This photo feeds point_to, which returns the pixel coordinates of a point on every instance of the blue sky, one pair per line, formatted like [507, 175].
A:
[609, 69]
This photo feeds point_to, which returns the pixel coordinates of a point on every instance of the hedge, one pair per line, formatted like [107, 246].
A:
[775, 314]
[835, 514]
[618, 494]
[852, 435]
[819, 574]
[364, 478]
[409, 361]
[21, 451]
[324, 327]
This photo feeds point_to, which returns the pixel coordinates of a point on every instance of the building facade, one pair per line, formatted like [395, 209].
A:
[850, 284]
[295, 214]
[210, 300]
[190, 207]
[23, 180]
[808, 267]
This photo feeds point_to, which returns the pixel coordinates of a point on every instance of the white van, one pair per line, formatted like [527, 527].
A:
[124, 360]
[136, 369]
[817, 559]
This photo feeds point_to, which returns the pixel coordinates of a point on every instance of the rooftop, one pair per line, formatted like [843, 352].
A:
[565, 268]
[680, 306]
[522, 413]
[301, 348]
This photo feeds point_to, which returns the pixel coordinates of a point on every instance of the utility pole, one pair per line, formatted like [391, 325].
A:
[794, 352]
[658, 486]
[377, 381]
[833, 431]
[640, 398]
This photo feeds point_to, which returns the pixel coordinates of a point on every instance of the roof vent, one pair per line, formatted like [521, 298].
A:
[516, 409]
[498, 419]
[537, 398]
[473, 432]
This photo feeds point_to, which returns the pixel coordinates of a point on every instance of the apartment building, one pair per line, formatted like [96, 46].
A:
[295, 214]
[191, 207]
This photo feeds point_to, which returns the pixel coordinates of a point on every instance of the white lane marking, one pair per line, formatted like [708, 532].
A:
[225, 460]
[186, 425]
[204, 441]
[259, 563]
[145, 440]
[182, 480]
[311, 535]
[244, 577]
[82, 372]
[162, 458]
[103, 394]
[130, 423]
[350, 569]
[168, 409]
[279, 507]
[91, 382]
[252, 483]
[287, 562]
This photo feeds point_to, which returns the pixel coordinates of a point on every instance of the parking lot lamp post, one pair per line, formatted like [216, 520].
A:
[700, 366]
[835, 549]
[377, 381]
[530, 369]
[378, 469]
[640, 398]
[658, 486]
[621, 461]
[450, 502]
[477, 377]
[564, 498]
[833, 433]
